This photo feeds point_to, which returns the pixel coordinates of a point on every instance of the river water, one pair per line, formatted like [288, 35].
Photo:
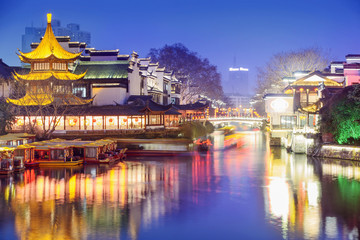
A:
[252, 192]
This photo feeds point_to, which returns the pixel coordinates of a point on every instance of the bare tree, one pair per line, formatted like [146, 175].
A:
[269, 78]
[198, 76]
[43, 105]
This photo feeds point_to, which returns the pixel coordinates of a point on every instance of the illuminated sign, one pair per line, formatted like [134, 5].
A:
[238, 69]
[279, 105]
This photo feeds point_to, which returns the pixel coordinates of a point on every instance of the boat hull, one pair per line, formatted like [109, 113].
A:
[59, 163]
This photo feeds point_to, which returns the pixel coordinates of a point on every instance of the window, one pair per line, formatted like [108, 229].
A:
[302, 121]
[59, 66]
[312, 120]
[287, 122]
[62, 89]
[41, 66]
[91, 152]
[57, 154]
[154, 120]
[80, 91]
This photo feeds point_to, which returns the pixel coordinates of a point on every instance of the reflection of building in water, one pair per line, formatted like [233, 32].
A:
[292, 194]
[341, 190]
[60, 205]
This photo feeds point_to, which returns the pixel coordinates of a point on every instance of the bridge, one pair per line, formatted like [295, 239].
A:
[249, 121]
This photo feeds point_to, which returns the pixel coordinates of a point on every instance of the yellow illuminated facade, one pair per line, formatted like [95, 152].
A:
[49, 80]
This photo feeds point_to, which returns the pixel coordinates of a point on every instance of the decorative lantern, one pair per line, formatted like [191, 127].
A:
[19, 122]
[72, 122]
[136, 119]
[125, 119]
[94, 120]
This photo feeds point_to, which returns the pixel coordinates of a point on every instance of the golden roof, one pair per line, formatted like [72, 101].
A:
[33, 100]
[314, 79]
[37, 76]
[48, 47]
[42, 99]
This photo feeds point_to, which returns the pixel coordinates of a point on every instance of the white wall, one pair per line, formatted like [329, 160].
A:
[107, 96]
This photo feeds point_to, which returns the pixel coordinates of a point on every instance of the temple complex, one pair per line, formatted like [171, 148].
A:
[49, 80]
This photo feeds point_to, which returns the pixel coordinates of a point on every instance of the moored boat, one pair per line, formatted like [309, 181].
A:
[22, 157]
[6, 160]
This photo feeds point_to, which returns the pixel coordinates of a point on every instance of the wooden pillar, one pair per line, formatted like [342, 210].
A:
[118, 118]
[103, 119]
[64, 122]
[307, 97]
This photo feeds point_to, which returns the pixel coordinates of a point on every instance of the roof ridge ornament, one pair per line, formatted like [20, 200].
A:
[49, 17]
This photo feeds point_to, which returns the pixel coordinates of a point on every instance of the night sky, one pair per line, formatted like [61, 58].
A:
[252, 30]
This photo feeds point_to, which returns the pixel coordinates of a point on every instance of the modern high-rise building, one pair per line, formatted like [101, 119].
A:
[34, 34]
[238, 83]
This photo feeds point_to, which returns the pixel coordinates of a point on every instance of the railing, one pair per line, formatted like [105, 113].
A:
[236, 118]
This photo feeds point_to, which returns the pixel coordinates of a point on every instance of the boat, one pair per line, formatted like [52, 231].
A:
[154, 147]
[6, 160]
[61, 152]
[23, 157]
[103, 151]
[51, 153]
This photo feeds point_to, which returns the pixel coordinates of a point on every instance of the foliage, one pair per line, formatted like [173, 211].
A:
[7, 117]
[341, 116]
[196, 129]
[198, 76]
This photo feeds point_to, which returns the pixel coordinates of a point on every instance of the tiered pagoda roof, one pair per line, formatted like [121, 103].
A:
[49, 73]
[48, 48]
[38, 76]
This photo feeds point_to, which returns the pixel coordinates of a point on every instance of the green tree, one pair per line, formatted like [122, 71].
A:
[341, 116]
[198, 75]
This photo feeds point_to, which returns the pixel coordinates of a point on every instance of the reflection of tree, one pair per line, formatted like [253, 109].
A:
[340, 190]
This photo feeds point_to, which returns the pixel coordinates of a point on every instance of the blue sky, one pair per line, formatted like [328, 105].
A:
[251, 30]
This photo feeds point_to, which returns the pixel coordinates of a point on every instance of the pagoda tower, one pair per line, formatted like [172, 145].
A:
[49, 80]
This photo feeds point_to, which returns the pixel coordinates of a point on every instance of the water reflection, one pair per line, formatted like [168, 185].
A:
[253, 192]
[313, 198]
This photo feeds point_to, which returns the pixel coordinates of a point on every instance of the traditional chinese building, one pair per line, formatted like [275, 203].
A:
[49, 80]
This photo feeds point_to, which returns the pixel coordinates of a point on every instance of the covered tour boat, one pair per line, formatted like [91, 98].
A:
[6, 160]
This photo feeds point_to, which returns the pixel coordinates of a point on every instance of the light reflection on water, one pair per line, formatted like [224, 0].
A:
[253, 193]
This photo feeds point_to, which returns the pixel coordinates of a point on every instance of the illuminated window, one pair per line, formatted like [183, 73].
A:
[41, 66]
[79, 91]
[287, 122]
[59, 66]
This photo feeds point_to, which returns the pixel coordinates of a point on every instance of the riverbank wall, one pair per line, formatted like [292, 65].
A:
[338, 151]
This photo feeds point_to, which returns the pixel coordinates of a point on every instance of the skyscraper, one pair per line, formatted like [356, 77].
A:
[34, 34]
[238, 83]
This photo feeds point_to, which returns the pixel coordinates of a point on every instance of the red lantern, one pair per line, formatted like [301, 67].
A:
[136, 119]
[94, 120]
[33, 121]
[110, 120]
[75, 120]
[125, 119]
